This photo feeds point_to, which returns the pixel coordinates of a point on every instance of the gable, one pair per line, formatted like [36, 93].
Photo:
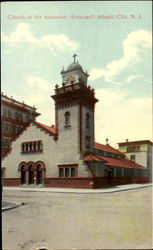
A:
[31, 133]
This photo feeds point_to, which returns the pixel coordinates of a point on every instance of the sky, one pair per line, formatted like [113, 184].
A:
[112, 40]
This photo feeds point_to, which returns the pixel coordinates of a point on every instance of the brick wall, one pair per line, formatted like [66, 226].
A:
[113, 181]
[68, 182]
[11, 181]
[82, 182]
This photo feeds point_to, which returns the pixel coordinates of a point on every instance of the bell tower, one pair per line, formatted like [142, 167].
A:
[74, 110]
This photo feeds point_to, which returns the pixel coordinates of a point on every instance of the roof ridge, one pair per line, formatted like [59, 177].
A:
[47, 128]
[6, 153]
[107, 147]
[136, 142]
[21, 131]
[14, 139]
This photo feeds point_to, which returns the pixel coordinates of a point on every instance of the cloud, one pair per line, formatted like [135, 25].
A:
[131, 48]
[37, 82]
[117, 117]
[21, 34]
[53, 42]
[133, 77]
[96, 73]
[37, 92]
[58, 41]
[43, 103]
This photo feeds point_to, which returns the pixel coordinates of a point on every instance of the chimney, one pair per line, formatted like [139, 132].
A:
[127, 140]
[52, 126]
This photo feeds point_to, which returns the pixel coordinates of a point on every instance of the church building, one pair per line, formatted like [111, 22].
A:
[66, 154]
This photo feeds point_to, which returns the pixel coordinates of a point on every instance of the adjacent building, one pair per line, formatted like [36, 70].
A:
[14, 117]
[139, 152]
[66, 154]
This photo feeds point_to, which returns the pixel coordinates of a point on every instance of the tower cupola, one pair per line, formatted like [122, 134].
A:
[74, 66]
[74, 73]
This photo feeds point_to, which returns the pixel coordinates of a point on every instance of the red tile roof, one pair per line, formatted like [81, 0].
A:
[50, 129]
[107, 148]
[93, 157]
[124, 162]
[109, 161]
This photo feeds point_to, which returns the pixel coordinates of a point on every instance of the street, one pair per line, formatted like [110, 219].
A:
[82, 221]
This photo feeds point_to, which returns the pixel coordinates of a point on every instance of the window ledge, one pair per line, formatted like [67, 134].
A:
[70, 177]
[36, 151]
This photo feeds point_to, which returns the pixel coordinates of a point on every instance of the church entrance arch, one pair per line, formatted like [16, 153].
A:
[31, 174]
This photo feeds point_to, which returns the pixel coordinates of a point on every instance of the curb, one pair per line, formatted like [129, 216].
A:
[12, 207]
[83, 191]
[127, 189]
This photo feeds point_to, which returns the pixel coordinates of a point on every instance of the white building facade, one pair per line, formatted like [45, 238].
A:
[140, 152]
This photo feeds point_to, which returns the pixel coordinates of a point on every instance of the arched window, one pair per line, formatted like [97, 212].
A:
[87, 120]
[23, 175]
[39, 167]
[67, 118]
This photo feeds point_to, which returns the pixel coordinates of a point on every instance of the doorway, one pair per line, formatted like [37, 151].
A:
[31, 174]
[23, 175]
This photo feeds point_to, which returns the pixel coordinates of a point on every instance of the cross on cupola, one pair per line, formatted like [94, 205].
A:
[74, 57]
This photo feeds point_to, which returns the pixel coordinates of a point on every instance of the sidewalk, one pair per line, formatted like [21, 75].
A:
[7, 205]
[114, 189]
